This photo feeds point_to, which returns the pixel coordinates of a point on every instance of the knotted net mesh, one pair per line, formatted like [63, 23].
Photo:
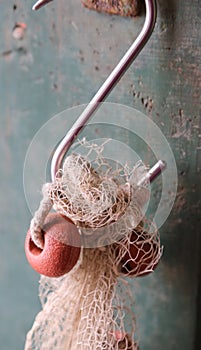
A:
[91, 195]
[91, 307]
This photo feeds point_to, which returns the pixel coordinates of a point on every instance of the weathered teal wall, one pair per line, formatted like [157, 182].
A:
[66, 53]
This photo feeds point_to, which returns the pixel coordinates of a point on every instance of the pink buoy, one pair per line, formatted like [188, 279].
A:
[61, 247]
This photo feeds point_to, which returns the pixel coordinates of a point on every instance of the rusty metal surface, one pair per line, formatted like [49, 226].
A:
[119, 7]
[58, 60]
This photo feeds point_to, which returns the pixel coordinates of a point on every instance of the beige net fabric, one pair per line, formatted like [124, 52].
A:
[81, 310]
[91, 307]
[95, 195]
[89, 197]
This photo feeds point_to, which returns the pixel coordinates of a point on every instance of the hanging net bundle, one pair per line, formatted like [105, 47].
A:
[91, 307]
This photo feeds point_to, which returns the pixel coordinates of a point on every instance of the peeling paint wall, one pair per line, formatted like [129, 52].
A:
[57, 58]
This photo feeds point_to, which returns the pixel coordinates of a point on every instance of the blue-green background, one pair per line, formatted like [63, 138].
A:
[66, 53]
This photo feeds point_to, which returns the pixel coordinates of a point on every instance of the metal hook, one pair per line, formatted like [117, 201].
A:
[106, 88]
[40, 3]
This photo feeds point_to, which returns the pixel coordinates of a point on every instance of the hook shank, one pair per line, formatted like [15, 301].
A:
[107, 86]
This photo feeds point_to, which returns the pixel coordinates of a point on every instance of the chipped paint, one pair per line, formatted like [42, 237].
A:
[115, 7]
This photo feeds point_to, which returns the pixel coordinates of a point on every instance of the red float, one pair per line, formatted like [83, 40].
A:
[142, 256]
[61, 247]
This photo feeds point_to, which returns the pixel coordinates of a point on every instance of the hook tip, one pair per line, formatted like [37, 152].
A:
[39, 4]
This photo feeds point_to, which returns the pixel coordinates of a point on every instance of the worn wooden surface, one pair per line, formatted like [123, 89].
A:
[65, 54]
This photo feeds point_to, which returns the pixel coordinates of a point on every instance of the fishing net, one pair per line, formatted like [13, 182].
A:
[91, 307]
[98, 199]
[102, 199]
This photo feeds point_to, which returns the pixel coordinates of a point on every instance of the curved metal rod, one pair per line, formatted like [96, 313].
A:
[106, 88]
[40, 3]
